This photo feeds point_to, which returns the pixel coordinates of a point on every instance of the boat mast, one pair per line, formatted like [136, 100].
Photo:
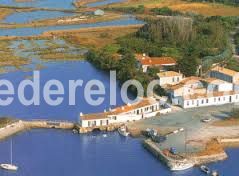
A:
[11, 151]
[185, 141]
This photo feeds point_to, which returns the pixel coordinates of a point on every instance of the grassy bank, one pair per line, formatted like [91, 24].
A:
[8, 58]
[64, 21]
[5, 12]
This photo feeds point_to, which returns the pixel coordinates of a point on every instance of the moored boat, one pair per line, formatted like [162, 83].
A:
[215, 173]
[181, 165]
[9, 167]
[205, 169]
[123, 131]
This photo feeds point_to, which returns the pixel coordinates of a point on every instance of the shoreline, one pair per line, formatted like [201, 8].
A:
[204, 157]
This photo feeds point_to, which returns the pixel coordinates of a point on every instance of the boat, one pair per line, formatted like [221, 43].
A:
[181, 165]
[215, 173]
[11, 166]
[123, 131]
[206, 120]
[205, 169]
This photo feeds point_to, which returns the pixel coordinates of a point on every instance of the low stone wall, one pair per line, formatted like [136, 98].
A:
[198, 160]
[12, 129]
[152, 148]
[20, 126]
[111, 127]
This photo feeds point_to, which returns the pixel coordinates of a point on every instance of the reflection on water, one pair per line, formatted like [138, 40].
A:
[36, 31]
[62, 4]
[25, 17]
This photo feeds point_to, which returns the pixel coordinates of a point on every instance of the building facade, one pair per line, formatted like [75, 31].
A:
[146, 108]
[169, 78]
[197, 92]
[224, 74]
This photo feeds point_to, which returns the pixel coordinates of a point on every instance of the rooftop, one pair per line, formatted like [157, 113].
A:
[208, 95]
[225, 71]
[126, 108]
[146, 60]
[168, 74]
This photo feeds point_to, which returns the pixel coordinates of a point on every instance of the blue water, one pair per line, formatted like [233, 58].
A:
[105, 2]
[25, 17]
[61, 153]
[61, 4]
[36, 31]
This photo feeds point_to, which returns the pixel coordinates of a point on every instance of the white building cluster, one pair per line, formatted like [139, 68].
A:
[220, 88]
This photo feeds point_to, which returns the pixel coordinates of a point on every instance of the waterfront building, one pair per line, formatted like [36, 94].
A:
[144, 62]
[145, 108]
[224, 74]
[169, 78]
[198, 92]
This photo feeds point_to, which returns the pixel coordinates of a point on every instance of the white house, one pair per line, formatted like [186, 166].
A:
[197, 92]
[224, 74]
[145, 62]
[169, 78]
[146, 108]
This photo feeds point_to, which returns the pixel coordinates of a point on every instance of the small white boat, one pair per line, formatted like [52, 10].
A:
[10, 167]
[104, 135]
[205, 169]
[179, 166]
[215, 173]
[206, 120]
[123, 131]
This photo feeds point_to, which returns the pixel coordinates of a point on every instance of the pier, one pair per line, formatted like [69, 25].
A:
[20, 125]
[190, 158]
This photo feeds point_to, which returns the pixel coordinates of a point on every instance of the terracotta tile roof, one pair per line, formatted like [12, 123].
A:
[188, 80]
[224, 71]
[155, 61]
[119, 110]
[208, 95]
[168, 74]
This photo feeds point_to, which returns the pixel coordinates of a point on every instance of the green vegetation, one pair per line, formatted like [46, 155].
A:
[191, 41]
[130, 10]
[227, 2]
[165, 11]
[125, 67]
[237, 42]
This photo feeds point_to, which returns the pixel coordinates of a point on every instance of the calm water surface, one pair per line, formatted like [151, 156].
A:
[25, 17]
[61, 4]
[36, 31]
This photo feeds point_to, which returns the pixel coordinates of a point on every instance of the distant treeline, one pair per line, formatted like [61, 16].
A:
[227, 2]
[188, 40]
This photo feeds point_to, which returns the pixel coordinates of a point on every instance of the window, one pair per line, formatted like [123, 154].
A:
[224, 98]
[177, 79]
[187, 103]
[215, 99]
[202, 101]
[192, 102]
[206, 100]
[173, 79]
[236, 96]
[219, 99]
